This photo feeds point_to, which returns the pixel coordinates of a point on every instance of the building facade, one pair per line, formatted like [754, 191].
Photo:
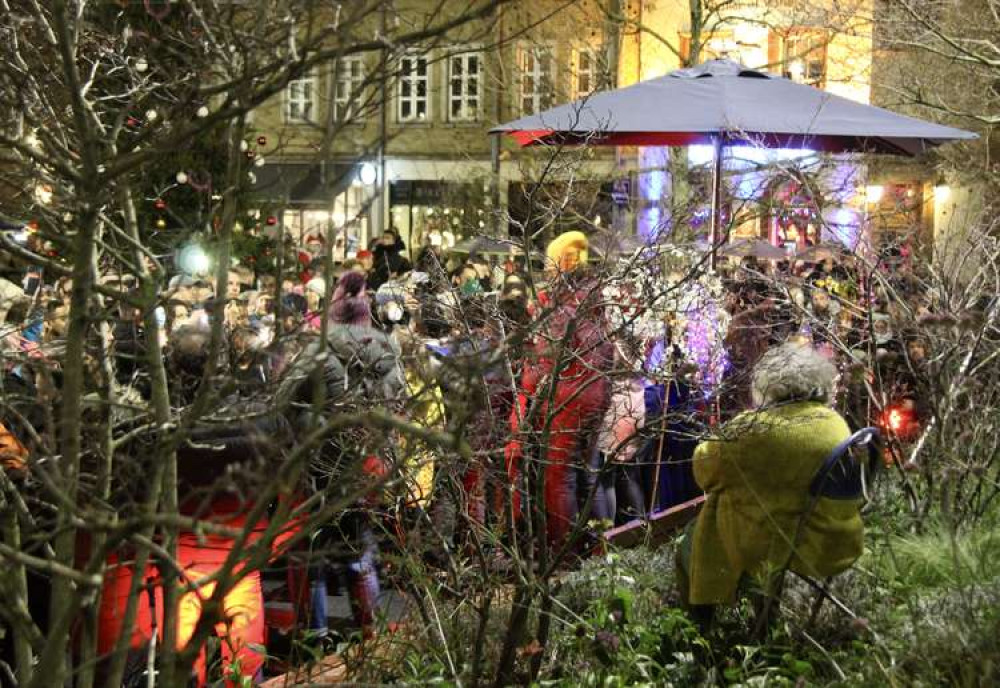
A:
[392, 139]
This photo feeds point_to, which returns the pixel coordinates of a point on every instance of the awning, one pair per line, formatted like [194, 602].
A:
[304, 183]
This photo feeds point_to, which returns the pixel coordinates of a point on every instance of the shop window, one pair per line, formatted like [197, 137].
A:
[349, 79]
[465, 84]
[803, 58]
[300, 99]
[413, 88]
[895, 212]
[537, 66]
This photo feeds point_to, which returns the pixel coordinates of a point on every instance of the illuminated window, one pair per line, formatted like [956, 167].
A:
[347, 85]
[717, 45]
[465, 86]
[803, 58]
[537, 63]
[414, 85]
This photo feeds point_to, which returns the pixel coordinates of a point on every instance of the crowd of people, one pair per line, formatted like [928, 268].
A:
[497, 376]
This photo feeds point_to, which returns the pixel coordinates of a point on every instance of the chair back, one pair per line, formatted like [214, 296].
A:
[841, 475]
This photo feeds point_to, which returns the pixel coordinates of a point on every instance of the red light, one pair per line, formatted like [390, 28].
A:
[900, 419]
[271, 220]
[895, 420]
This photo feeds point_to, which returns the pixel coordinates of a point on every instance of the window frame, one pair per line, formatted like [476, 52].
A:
[348, 109]
[311, 79]
[464, 52]
[537, 96]
[406, 77]
[598, 71]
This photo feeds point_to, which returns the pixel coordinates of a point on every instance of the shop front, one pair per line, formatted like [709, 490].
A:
[439, 212]
[321, 202]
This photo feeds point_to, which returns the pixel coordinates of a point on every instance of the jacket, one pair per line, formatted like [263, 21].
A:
[757, 478]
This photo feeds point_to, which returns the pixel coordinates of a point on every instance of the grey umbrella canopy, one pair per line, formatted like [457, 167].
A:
[724, 103]
[721, 99]
[754, 248]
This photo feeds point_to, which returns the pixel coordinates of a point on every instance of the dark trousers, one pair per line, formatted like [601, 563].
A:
[616, 487]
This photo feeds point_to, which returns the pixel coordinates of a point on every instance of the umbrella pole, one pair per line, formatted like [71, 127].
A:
[716, 229]
[495, 182]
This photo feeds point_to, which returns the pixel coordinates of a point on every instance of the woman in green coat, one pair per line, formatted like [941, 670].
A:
[756, 475]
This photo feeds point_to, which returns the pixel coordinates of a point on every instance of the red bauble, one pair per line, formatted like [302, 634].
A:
[160, 204]
[132, 122]
[261, 140]
[271, 220]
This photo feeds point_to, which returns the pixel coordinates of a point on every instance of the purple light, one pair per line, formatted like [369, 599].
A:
[704, 330]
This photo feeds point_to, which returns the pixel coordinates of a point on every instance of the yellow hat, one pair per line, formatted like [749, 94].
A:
[568, 250]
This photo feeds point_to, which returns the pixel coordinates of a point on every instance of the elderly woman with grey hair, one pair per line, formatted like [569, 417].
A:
[756, 475]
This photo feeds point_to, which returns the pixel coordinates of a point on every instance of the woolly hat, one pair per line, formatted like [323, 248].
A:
[317, 285]
[349, 305]
[568, 251]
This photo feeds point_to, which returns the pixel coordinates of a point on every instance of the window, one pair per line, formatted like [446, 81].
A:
[300, 99]
[589, 72]
[414, 83]
[537, 65]
[349, 78]
[464, 86]
[804, 57]
[717, 45]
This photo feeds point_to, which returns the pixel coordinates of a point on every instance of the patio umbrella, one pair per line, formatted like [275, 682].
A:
[821, 252]
[754, 248]
[486, 246]
[724, 103]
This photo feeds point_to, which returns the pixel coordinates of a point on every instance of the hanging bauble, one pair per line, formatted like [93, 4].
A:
[160, 204]
[250, 155]
[182, 177]
[131, 122]
[151, 115]
[161, 223]
[261, 140]
[68, 217]
[141, 65]
[271, 220]
[202, 112]
[252, 177]
[259, 162]
[244, 146]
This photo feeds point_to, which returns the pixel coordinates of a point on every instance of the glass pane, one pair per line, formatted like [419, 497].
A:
[472, 87]
[456, 88]
[421, 89]
[421, 108]
[405, 109]
[405, 89]
[456, 108]
[456, 66]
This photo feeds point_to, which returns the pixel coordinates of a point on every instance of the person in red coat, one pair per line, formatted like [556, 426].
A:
[572, 352]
